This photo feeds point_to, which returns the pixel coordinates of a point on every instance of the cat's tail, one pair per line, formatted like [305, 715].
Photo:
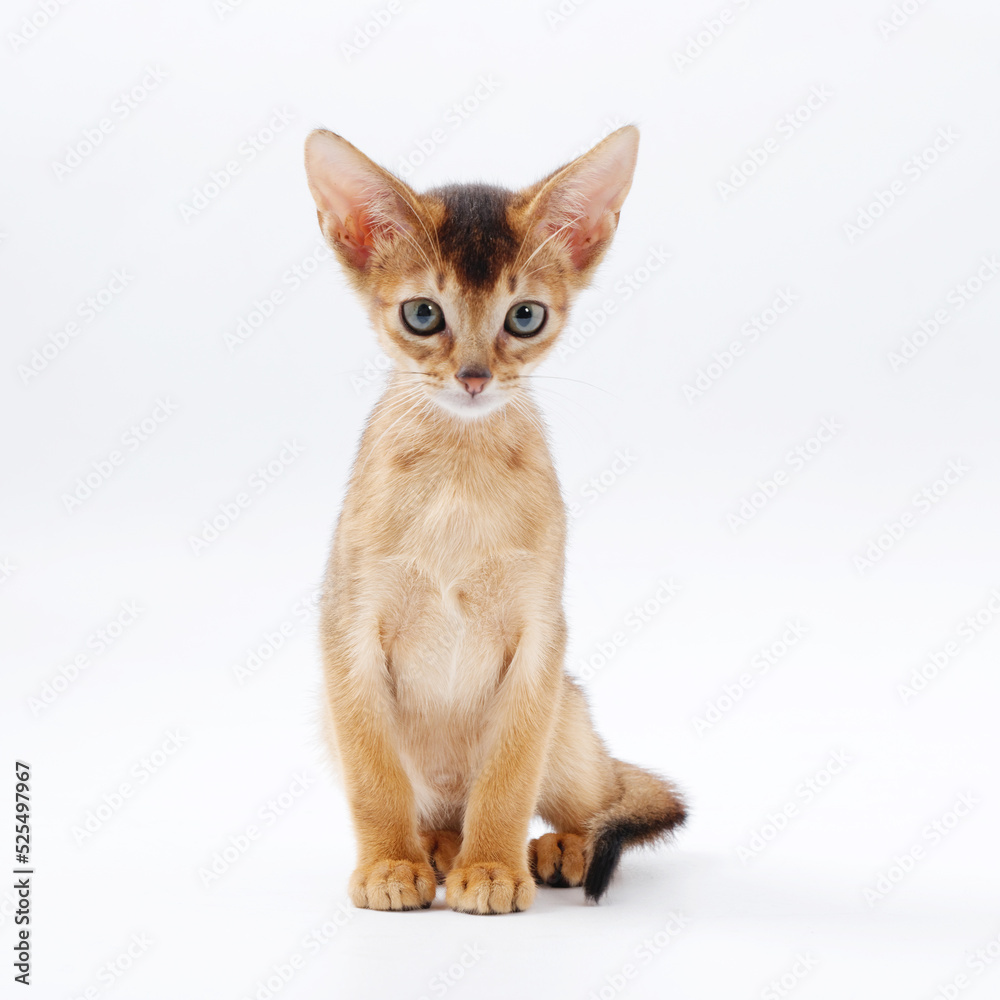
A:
[648, 809]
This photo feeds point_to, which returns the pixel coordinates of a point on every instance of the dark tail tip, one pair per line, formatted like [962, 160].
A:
[607, 853]
[615, 837]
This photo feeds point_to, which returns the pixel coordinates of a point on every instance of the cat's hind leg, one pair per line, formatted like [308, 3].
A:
[599, 806]
[558, 859]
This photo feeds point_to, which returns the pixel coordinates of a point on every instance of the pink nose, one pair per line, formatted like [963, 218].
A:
[474, 379]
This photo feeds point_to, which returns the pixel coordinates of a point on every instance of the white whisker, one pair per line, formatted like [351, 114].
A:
[431, 238]
[579, 381]
[412, 396]
[572, 222]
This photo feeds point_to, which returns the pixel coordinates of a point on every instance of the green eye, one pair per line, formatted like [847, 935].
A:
[525, 319]
[422, 316]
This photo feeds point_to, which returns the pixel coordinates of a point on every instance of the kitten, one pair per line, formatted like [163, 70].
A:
[449, 710]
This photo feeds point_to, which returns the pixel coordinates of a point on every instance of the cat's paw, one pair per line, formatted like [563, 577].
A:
[489, 888]
[558, 859]
[442, 847]
[393, 885]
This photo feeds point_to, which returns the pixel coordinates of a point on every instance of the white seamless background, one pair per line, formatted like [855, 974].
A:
[777, 433]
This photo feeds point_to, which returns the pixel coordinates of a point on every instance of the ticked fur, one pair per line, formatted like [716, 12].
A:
[450, 712]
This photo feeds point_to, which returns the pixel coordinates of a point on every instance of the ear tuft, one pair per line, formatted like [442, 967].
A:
[579, 204]
[362, 208]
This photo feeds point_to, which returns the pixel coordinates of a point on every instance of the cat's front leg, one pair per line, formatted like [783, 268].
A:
[392, 872]
[491, 874]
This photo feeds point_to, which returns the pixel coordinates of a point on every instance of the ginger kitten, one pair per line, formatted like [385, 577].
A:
[450, 713]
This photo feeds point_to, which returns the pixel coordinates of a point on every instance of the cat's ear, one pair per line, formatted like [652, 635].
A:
[579, 204]
[362, 208]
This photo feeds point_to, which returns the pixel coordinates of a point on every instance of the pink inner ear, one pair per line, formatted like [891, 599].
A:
[580, 240]
[357, 206]
[586, 207]
[351, 216]
[357, 238]
[593, 227]
[581, 233]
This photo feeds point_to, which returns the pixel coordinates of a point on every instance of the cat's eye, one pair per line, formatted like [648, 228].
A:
[422, 316]
[525, 319]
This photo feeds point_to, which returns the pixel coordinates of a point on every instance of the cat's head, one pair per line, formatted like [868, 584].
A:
[469, 285]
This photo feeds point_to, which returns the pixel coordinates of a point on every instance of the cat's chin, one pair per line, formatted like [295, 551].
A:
[466, 407]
